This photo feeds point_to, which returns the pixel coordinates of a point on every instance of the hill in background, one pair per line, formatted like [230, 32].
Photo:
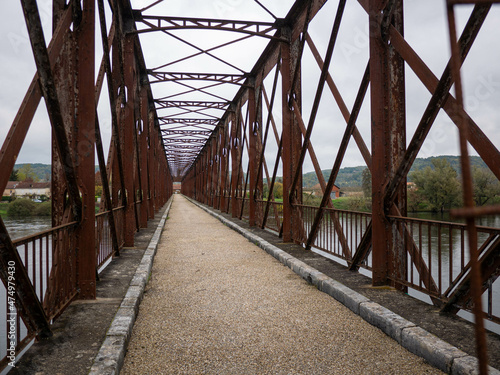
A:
[347, 177]
[352, 176]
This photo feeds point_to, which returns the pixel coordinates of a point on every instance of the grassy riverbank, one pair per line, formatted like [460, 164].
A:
[3, 208]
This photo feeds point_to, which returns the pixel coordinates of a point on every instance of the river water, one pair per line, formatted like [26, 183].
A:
[26, 226]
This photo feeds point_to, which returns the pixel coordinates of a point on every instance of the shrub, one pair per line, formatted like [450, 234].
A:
[21, 207]
[43, 209]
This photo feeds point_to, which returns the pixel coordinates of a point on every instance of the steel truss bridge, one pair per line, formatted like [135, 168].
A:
[228, 134]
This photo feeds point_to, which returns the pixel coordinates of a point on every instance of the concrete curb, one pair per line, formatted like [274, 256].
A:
[109, 360]
[437, 352]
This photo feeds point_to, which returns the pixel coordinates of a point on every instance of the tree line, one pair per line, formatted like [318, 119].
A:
[438, 187]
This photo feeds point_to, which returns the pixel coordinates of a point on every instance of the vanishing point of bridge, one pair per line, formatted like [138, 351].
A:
[226, 116]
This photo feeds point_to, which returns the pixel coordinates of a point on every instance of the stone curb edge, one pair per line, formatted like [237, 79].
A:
[109, 360]
[415, 339]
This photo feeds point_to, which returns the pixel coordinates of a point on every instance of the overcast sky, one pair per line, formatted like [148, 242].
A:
[425, 31]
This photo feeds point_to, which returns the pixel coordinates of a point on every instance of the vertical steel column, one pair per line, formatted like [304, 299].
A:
[234, 162]
[117, 179]
[380, 121]
[208, 173]
[213, 169]
[388, 138]
[253, 154]
[150, 162]
[292, 144]
[85, 163]
[476, 282]
[64, 77]
[204, 176]
[223, 154]
[217, 176]
[143, 156]
[397, 142]
[128, 139]
[286, 78]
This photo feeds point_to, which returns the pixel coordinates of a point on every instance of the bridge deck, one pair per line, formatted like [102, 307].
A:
[216, 303]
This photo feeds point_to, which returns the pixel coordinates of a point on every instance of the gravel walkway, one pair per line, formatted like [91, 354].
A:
[217, 304]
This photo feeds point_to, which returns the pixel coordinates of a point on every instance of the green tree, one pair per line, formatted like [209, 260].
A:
[416, 201]
[486, 185]
[366, 183]
[14, 175]
[27, 172]
[278, 190]
[438, 185]
[21, 207]
[43, 209]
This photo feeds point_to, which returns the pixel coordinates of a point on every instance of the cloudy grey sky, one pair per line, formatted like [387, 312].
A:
[425, 30]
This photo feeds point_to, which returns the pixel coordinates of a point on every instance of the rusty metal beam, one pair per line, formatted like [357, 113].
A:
[468, 198]
[49, 92]
[319, 91]
[191, 103]
[19, 128]
[342, 106]
[84, 135]
[188, 121]
[340, 156]
[388, 133]
[440, 98]
[164, 23]
[186, 132]
[268, 121]
[184, 76]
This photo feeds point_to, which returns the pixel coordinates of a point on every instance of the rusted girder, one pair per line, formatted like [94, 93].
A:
[164, 23]
[268, 122]
[184, 103]
[178, 76]
[171, 152]
[168, 141]
[342, 106]
[440, 96]
[20, 126]
[340, 156]
[187, 121]
[49, 91]
[476, 276]
[171, 147]
[186, 132]
[319, 91]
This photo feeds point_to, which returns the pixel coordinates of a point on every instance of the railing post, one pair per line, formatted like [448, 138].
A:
[388, 140]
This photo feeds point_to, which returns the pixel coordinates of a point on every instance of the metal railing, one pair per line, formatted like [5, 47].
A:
[103, 239]
[50, 262]
[442, 248]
